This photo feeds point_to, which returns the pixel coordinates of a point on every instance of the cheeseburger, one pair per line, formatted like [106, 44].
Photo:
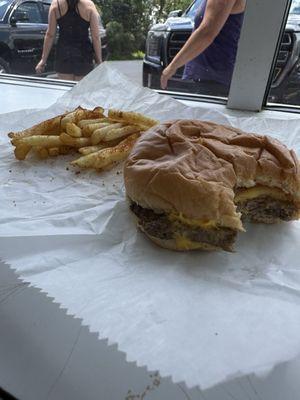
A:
[192, 184]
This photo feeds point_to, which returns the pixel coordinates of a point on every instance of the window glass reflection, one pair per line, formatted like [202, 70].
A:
[195, 51]
[3, 8]
[285, 87]
[140, 38]
[28, 12]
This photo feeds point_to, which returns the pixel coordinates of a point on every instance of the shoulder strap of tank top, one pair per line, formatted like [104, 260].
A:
[76, 9]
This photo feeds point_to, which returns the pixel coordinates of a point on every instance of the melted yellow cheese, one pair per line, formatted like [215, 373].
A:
[257, 191]
[242, 195]
[183, 243]
[193, 222]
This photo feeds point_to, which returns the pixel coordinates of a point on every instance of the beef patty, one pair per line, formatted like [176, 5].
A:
[267, 210]
[161, 227]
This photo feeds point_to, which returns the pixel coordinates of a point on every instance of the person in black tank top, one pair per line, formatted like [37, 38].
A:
[74, 50]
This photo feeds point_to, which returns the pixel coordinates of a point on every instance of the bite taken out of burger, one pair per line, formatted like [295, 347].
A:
[191, 184]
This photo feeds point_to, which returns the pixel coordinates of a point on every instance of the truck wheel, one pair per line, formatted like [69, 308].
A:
[4, 66]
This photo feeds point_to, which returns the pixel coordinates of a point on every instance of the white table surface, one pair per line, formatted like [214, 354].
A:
[45, 354]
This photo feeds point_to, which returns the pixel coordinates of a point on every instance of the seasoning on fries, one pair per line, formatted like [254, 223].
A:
[101, 141]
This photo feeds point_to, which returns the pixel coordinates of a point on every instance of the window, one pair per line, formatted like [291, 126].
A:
[285, 86]
[192, 10]
[29, 12]
[210, 74]
[295, 8]
[3, 8]
[45, 13]
[141, 34]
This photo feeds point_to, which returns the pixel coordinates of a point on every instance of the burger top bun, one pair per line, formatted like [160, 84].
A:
[194, 167]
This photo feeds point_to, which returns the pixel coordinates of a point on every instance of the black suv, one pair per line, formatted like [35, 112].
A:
[166, 39]
[23, 24]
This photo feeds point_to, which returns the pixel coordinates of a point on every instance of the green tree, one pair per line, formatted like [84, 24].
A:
[121, 44]
[128, 22]
[164, 7]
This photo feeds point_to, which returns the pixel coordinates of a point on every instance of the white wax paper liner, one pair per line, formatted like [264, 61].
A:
[201, 318]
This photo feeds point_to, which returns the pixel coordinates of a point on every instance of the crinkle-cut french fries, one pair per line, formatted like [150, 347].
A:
[92, 149]
[143, 128]
[117, 133]
[87, 130]
[105, 157]
[99, 134]
[42, 152]
[53, 151]
[132, 118]
[48, 127]
[52, 126]
[117, 153]
[81, 113]
[64, 150]
[38, 140]
[74, 142]
[85, 122]
[21, 151]
[73, 130]
[102, 141]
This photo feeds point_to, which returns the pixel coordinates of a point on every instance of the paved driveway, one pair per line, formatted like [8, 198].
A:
[133, 69]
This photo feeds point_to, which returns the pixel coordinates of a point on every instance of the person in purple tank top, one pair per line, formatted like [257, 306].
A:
[210, 52]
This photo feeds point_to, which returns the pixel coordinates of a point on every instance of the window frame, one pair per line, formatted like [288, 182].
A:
[45, 10]
[253, 61]
[23, 80]
[7, 11]
[189, 8]
[21, 3]
[257, 61]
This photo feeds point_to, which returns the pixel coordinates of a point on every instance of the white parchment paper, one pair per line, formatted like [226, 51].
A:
[202, 318]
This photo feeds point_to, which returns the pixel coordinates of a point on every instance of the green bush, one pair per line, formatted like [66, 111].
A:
[138, 55]
[128, 21]
[121, 44]
[140, 41]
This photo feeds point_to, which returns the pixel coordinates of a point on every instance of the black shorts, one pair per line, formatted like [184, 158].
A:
[76, 60]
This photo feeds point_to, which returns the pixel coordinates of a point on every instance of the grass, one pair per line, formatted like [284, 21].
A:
[137, 55]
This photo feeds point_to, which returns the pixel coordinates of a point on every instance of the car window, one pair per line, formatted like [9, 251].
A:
[3, 7]
[191, 12]
[295, 7]
[32, 11]
[286, 74]
[209, 73]
[46, 7]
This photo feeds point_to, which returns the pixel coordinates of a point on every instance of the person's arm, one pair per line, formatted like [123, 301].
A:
[215, 16]
[49, 39]
[95, 33]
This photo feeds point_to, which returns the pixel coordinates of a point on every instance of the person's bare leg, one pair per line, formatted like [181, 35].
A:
[78, 78]
[66, 77]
